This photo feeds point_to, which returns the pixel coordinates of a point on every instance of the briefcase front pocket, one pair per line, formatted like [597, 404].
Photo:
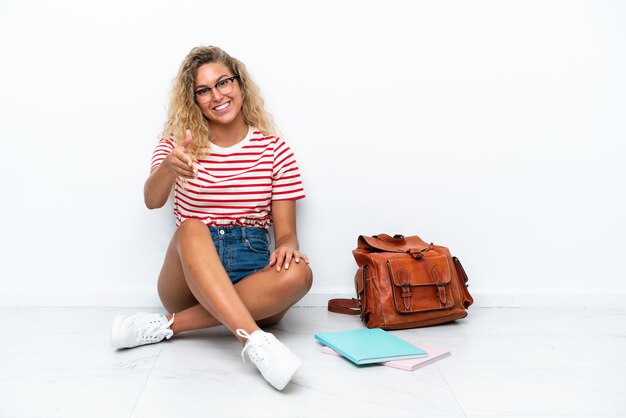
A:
[420, 285]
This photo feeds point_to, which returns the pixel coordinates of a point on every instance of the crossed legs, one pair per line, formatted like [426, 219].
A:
[194, 285]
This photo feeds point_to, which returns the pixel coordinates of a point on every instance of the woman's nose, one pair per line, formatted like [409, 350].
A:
[217, 95]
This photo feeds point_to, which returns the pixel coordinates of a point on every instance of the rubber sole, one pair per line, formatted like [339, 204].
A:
[285, 373]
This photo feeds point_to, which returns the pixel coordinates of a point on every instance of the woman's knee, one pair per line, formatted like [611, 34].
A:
[190, 226]
[189, 231]
[298, 279]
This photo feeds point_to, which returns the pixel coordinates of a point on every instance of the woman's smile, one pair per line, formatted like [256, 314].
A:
[222, 108]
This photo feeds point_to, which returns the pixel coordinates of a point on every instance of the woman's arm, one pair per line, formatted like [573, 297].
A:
[287, 248]
[177, 164]
[159, 185]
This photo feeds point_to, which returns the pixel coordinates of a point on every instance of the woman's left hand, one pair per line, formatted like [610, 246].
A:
[282, 256]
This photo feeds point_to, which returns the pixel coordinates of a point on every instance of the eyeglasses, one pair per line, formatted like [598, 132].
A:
[224, 86]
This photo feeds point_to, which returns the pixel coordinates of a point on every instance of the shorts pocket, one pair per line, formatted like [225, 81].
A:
[257, 245]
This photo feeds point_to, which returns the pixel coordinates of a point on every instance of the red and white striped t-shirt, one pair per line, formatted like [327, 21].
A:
[235, 185]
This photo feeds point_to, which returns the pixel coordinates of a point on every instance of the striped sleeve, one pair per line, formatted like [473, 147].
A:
[286, 181]
[162, 150]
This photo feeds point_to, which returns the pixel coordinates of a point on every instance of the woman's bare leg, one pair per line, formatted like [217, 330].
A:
[267, 295]
[194, 285]
[207, 279]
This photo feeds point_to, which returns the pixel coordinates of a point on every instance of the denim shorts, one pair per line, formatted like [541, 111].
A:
[242, 250]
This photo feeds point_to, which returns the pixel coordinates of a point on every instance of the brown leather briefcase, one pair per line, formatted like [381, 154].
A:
[404, 282]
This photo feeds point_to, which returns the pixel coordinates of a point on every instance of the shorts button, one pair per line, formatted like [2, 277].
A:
[222, 232]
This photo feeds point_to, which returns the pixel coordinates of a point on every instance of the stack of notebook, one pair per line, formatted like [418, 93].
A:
[368, 346]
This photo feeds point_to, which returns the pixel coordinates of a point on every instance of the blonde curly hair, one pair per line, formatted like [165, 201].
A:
[185, 114]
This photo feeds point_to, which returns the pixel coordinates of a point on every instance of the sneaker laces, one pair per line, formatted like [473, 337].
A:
[157, 330]
[255, 346]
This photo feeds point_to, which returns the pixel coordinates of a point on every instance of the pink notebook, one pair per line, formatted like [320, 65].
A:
[434, 354]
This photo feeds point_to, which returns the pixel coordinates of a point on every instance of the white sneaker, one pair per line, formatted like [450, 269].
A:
[274, 360]
[139, 329]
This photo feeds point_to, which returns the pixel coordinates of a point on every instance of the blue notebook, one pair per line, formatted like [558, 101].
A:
[365, 346]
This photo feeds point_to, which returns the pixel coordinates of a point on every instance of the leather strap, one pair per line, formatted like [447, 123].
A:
[396, 239]
[344, 306]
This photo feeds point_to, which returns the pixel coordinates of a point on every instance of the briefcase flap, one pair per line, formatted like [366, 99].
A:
[420, 285]
[430, 270]
[397, 243]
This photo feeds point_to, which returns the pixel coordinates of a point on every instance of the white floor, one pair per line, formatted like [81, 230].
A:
[56, 362]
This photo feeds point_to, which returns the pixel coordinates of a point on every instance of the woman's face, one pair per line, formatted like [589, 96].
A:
[217, 95]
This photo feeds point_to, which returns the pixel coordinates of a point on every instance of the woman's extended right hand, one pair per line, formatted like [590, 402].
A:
[179, 162]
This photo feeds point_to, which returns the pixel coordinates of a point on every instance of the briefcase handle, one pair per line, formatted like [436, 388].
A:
[344, 306]
[396, 239]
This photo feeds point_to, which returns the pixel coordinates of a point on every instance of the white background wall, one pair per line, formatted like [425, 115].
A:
[496, 128]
